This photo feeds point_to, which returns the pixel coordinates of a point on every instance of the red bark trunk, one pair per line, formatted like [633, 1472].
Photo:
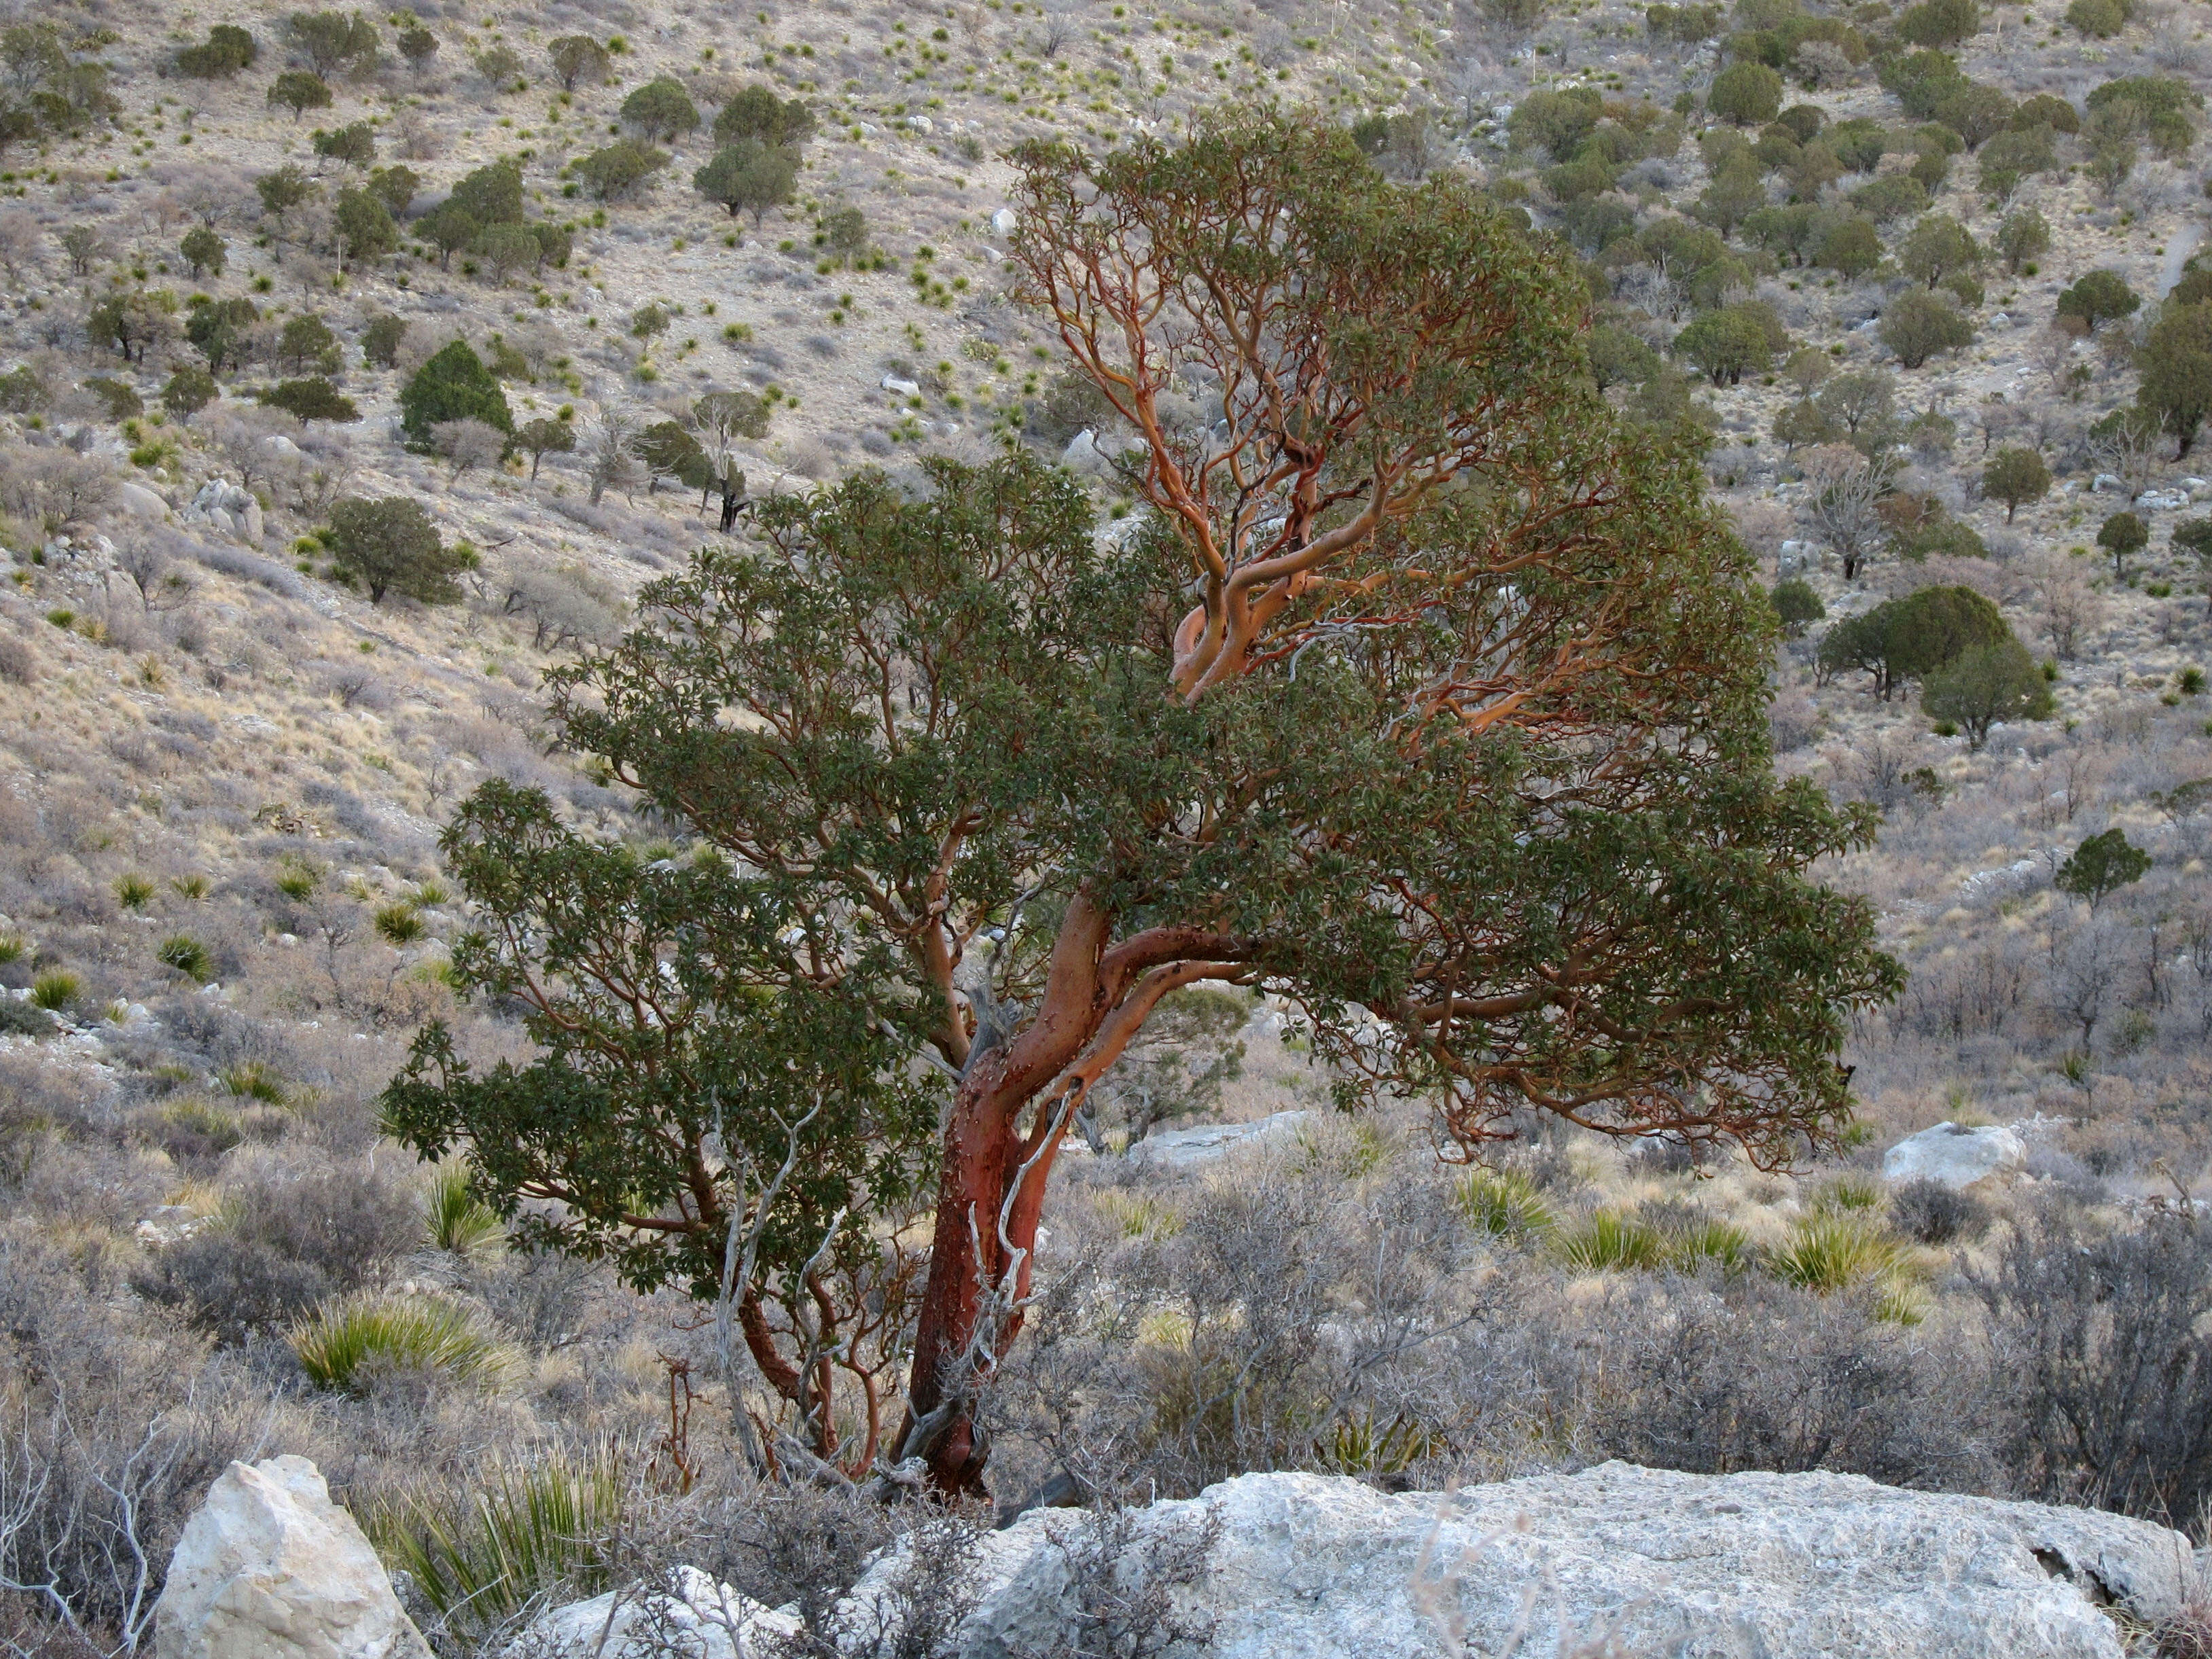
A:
[965, 1256]
[984, 1152]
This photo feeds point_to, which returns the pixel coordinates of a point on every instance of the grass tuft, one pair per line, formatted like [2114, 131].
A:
[338, 1345]
[252, 1080]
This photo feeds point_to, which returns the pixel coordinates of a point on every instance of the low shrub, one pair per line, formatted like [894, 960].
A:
[288, 1239]
[22, 1018]
[1929, 1212]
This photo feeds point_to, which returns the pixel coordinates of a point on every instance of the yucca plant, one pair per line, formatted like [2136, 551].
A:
[1847, 1193]
[191, 887]
[1609, 1240]
[1360, 1446]
[56, 989]
[1504, 1203]
[297, 880]
[399, 922]
[336, 1344]
[133, 892]
[186, 955]
[530, 1529]
[1717, 1241]
[1827, 1254]
[457, 1220]
[252, 1080]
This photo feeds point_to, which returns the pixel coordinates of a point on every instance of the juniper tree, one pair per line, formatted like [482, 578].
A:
[1461, 747]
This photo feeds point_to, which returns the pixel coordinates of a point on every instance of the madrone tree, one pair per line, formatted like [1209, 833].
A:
[1425, 696]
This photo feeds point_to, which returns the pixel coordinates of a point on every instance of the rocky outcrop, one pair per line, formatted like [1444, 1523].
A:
[226, 508]
[1188, 1149]
[1788, 1566]
[269, 1568]
[1954, 1155]
[693, 1615]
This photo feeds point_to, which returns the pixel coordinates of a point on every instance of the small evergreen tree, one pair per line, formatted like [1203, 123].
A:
[615, 172]
[2176, 366]
[1983, 685]
[2102, 865]
[2020, 238]
[219, 329]
[299, 91]
[313, 398]
[452, 385]
[226, 50]
[1919, 325]
[379, 340]
[757, 113]
[1912, 637]
[188, 390]
[749, 177]
[331, 40]
[491, 195]
[2016, 476]
[2100, 297]
[2120, 535]
[391, 545]
[203, 251]
[1797, 605]
[1747, 92]
[660, 111]
[578, 60]
[364, 225]
[354, 144]
[541, 437]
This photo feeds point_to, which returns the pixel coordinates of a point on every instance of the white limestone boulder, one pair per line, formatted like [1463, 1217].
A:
[1954, 1155]
[269, 1568]
[1209, 1143]
[1791, 1566]
[693, 1615]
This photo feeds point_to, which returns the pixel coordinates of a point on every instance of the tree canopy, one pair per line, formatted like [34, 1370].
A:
[1908, 637]
[454, 385]
[391, 545]
[1461, 748]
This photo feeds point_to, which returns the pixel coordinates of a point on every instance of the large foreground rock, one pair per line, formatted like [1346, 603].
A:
[269, 1568]
[1954, 1155]
[1689, 1566]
